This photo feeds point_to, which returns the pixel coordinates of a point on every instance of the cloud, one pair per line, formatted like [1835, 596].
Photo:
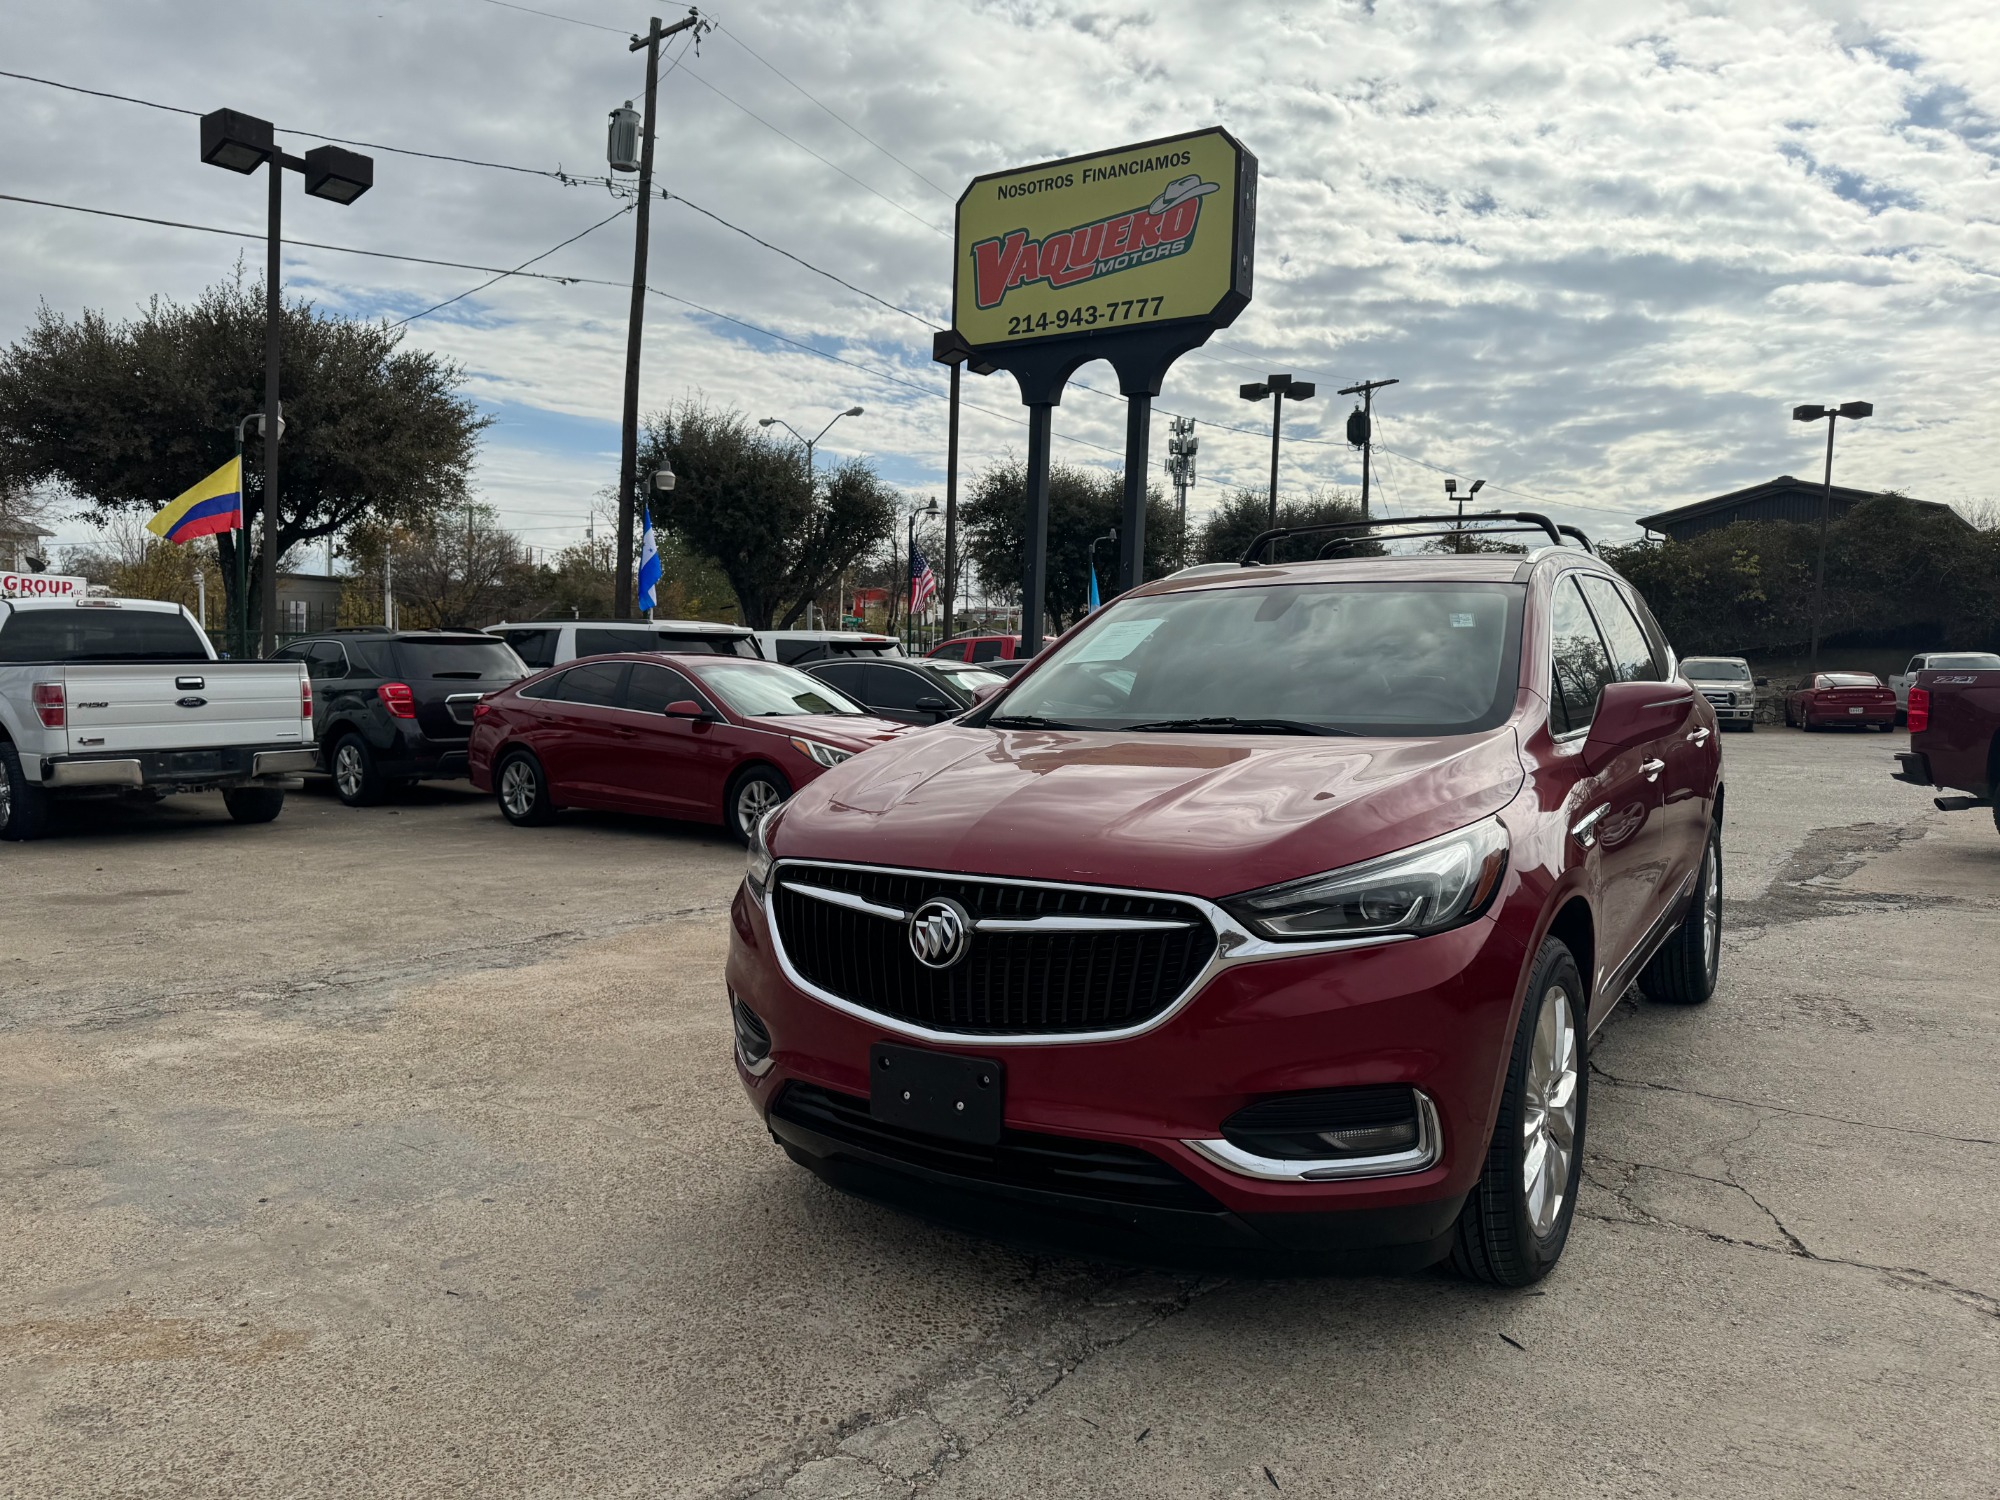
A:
[1603, 251]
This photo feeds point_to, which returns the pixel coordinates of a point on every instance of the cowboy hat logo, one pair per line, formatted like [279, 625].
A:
[1165, 227]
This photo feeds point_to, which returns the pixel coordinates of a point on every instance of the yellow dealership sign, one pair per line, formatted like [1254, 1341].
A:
[1119, 241]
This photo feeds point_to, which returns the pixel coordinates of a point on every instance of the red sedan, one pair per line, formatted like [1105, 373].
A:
[712, 739]
[1857, 698]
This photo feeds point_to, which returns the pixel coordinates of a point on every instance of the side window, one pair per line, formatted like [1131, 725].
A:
[326, 661]
[898, 687]
[1631, 652]
[650, 689]
[1580, 664]
[537, 648]
[1916, 665]
[987, 650]
[601, 685]
[847, 676]
[601, 642]
[792, 652]
[548, 687]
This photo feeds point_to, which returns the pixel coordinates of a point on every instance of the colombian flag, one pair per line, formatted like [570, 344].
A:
[215, 504]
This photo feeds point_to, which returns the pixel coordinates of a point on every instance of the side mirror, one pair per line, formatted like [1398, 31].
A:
[981, 694]
[933, 705]
[1633, 713]
[686, 708]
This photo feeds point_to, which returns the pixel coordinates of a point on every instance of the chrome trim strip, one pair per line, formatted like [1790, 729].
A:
[92, 773]
[1429, 1147]
[1233, 945]
[851, 902]
[1079, 924]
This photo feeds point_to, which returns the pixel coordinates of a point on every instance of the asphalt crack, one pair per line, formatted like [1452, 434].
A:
[1598, 1071]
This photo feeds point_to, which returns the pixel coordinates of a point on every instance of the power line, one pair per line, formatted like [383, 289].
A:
[549, 15]
[503, 275]
[829, 111]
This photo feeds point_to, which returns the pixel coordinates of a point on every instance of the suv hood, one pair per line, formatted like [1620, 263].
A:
[1205, 814]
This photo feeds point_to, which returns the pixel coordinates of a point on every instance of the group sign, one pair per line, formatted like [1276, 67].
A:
[1155, 233]
[41, 586]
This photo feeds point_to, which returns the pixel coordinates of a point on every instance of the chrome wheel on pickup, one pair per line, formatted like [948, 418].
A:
[24, 807]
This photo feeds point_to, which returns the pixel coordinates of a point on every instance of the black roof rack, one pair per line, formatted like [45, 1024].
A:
[356, 630]
[1493, 520]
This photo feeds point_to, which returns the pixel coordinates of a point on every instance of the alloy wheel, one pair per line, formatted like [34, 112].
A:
[347, 769]
[1548, 1115]
[1711, 910]
[753, 799]
[517, 788]
[6, 797]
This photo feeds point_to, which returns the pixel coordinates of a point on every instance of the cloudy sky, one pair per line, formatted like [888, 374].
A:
[1605, 248]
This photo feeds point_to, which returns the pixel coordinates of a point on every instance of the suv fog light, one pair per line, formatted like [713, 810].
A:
[1372, 1140]
[753, 1038]
[1327, 1123]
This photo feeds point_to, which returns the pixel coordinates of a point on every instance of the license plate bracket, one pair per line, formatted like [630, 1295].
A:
[937, 1093]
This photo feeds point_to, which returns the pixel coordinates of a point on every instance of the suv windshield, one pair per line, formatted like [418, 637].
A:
[471, 660]
[1715, 671]
[760, 691]
[1316, 658]
[92, 633]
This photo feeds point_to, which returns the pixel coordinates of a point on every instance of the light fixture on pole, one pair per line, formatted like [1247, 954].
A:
[1451, 494]
[1276, 389]
[242, 143]
[1853, 411]
[811, 442]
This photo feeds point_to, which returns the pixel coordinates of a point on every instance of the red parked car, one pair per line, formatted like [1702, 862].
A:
[979, 648]
[712, 739]
[1857, 698]
[1270, 914]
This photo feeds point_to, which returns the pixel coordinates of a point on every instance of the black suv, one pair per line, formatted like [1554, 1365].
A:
[395, 706]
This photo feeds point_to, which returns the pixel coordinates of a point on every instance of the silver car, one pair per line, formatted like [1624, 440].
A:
[1726, 682]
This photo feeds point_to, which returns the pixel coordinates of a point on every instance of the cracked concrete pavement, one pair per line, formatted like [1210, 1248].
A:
[398, 1152]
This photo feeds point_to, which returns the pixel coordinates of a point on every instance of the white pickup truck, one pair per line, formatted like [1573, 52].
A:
[100, 697]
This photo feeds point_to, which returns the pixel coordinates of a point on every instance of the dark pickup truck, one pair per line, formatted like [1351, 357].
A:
[1955, 738]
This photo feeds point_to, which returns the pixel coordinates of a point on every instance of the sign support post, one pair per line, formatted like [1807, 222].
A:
[1119, 256]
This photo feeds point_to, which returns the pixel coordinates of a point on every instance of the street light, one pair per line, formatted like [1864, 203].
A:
[1451, 493]
[811, 442]
[910, 565]
[1109, 536]
[237, 142]
[1854, 411]
[1277, 388]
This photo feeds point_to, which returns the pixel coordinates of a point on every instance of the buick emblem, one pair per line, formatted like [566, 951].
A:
[940, 933]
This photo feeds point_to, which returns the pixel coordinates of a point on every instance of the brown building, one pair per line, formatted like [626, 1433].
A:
[1780, 499]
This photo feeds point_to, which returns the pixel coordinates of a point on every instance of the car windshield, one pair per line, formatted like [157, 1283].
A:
[1715, 671]
[765, 689]
[470, 660]
[1849, 679]
[1967, 661]
[1318, 658]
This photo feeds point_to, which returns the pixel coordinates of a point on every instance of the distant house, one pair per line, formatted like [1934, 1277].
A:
[1780, 499]
[308, 602]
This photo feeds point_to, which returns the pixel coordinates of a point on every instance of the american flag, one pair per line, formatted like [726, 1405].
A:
[923, 582]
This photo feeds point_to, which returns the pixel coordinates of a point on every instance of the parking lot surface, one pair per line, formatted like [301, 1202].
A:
[399, 1152]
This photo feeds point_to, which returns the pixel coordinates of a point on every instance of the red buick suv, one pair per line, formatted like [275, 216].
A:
[1268, 915]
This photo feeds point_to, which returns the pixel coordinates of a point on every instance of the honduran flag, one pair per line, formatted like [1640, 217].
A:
[215, 504]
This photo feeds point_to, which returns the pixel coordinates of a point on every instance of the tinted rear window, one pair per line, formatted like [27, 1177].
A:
[603, 641]
[1966, 661]
[85, 634]
[469, 660]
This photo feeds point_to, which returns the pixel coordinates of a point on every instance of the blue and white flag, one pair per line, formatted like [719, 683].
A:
[649, 565]
[1093, 584]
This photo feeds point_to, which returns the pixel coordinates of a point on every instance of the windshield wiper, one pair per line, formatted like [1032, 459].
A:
[1027, 721]
[1226, 724]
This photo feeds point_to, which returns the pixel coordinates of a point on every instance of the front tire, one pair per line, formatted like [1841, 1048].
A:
[357, 780]
[521, 787]
[1513, 1227]
[254, 804]
[24, 807]
[750, 796]
[1684, 971]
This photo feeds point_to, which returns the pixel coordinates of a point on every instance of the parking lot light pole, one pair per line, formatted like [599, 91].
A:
[1276, 389]
[238, 142]
[810, 442]
[1853, 411]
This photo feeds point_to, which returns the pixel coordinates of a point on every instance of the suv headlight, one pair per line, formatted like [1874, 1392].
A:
[1422, 889]
[757, 863]
[821, 755]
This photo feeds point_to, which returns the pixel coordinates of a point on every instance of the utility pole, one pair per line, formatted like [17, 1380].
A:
[628, 449]
[1182, 446]
[1361, 429]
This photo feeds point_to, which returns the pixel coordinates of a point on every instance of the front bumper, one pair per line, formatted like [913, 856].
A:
[176, 770]
[1434, 1013]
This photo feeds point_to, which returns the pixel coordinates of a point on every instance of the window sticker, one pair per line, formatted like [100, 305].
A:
[1461, 622]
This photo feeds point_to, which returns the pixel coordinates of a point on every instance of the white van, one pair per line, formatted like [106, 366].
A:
[545, 643]
[797, 647]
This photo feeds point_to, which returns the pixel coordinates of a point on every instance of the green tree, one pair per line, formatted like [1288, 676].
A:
[126, 415]
[745, 501]
[1084, 504]
[1230, 529]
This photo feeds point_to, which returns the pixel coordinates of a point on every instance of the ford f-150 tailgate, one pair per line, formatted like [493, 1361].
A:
[123, 709]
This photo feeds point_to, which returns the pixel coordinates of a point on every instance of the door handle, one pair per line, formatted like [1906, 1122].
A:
[1652, 768]
[1584, 829]
[1698, 736]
